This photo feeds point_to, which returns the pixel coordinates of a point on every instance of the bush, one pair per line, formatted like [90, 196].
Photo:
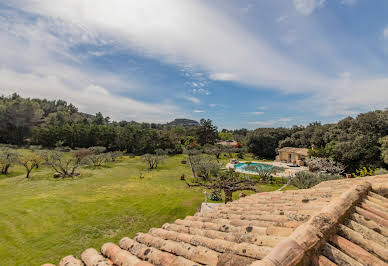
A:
[364, 172]
[215, 196]
[305, 179]
[325, 165]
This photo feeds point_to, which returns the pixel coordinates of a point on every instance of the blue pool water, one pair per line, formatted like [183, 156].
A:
[241, 166]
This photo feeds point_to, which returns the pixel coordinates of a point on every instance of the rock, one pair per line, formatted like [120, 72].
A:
[242, 195]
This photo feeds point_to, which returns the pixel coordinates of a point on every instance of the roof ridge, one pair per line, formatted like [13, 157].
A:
[304, 242]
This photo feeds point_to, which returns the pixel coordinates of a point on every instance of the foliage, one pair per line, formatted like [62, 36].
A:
[29, 162]
[325, 165]
[263, 141]
[265, 173]
[384, 148]
[205, 166]
[362, 172]
[191, 154]
[206, 132]
[215, 196]
[304, 179]
[216, 150]
[354, 142]
[228, 181]
[63, 164]
[153, 160]
[226, 135]
[7, 158]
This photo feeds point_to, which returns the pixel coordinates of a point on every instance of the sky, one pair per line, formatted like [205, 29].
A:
[243, 64]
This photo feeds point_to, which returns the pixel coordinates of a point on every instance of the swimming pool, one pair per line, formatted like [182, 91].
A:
[242, 166]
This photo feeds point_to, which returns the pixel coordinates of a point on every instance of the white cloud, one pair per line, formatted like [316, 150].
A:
[349, 2]
[306, 7]
[257, 113]
[89, 98]
[223, 76]
[201, 91]
[198, 111]
[38, 64]
[385, 33]
[193, 99]
[171, 32]
[212, 105]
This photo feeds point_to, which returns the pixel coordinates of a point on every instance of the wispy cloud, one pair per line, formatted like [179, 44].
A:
[385, 33]
[198, 111]
[193, 99]
[257, 113]
[306, 7]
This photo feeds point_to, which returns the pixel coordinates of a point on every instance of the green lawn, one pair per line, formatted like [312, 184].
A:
[44, 219]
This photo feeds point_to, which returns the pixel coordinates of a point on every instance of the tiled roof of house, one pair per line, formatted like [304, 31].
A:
[340, 222]
[301, 151]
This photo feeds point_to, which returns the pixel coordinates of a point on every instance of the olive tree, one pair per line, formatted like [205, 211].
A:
[205, 165]
[30, 161]
[7, 158]
[153, 160]
[63, 164]
[228, 181]
[325, 165]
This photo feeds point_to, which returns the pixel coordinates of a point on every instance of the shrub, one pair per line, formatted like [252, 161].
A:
[215, 196]
[364, 172]
[7, 158]
[63, 165]
[325, 165]
[305, 179]
[153, 160]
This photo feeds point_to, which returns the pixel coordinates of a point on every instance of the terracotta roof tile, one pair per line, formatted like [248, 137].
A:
[334, 223]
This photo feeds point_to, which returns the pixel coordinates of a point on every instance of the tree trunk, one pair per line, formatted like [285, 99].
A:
[192, 168]
[228, 196]
[28, 173]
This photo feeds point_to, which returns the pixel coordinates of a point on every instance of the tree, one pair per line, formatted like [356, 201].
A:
[30, 161]
[7, 158]
[264, 172]
[153, 160]
[304, 180]
[384, 149]
[191, 153]
[325, 165]
[216, 150]
[225, 135]
[206, 132]
[263, 142]
[228, 181]
[205, 166]
[63, 164]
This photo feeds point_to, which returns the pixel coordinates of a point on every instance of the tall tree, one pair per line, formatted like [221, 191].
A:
[206, 132]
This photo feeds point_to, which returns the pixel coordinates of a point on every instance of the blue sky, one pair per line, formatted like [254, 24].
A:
[240, 63]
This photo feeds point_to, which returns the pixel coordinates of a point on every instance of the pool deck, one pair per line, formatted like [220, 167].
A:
[288, 172]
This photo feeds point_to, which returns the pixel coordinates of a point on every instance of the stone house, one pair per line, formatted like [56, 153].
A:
[291, 154]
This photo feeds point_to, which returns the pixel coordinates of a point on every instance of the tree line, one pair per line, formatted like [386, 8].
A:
[354, 142]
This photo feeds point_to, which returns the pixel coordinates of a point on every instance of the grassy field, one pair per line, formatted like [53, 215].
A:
[44, 219]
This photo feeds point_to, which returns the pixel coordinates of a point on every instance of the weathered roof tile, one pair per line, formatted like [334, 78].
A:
[336, 222]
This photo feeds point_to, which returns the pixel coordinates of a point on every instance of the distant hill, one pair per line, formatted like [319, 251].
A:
[183, 122]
